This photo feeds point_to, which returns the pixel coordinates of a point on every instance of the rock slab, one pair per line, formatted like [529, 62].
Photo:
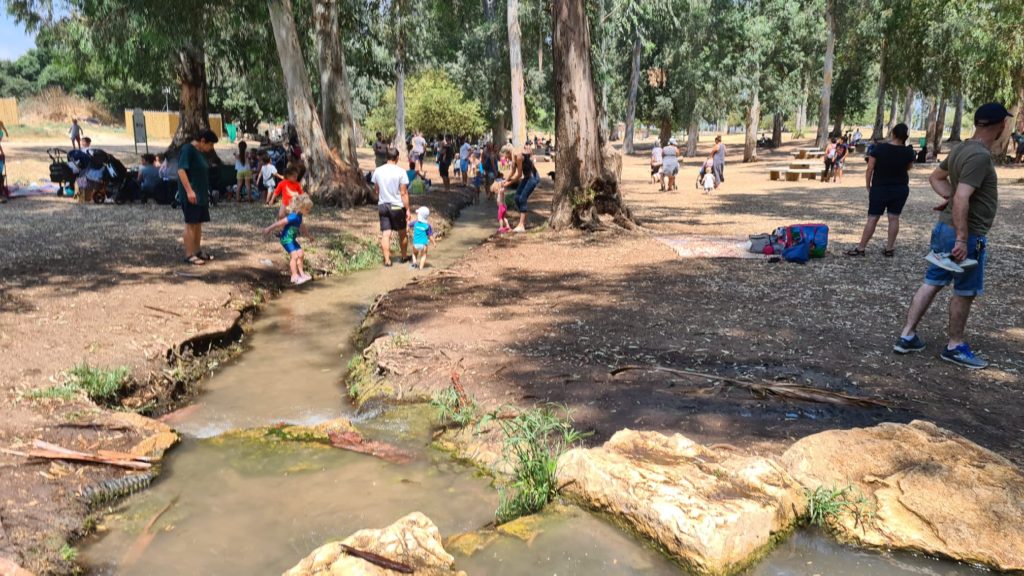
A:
[716, 510]
[930, 490]
[413, 540]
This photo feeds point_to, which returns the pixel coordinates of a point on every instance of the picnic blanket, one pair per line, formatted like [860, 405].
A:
[692, 246]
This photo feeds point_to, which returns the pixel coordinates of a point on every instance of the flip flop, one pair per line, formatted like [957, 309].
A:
[857, 252]
[204, 255]
[195, 260]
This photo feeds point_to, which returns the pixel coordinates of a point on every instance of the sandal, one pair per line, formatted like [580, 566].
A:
[856, 252]
[195, 260]
[889, 252]
[204, 255]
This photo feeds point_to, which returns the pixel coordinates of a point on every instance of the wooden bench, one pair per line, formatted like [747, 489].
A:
[800, 165]
[793, 174]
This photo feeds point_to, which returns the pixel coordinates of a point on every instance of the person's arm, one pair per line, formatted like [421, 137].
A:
[869, 172]
[280, 223]
[939, 180]
[404, 187]
[961, 204]
[517, 172]
[183, 164]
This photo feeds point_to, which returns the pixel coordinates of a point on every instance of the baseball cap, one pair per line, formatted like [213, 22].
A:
[207, 135]
[991, 113]
[422, 213]
[672, 141]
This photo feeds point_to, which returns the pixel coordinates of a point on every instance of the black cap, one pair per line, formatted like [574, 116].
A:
[207, 135]
[991, 113]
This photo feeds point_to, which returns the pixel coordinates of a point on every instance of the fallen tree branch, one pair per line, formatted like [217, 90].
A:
[50, 451]
[764, 388]
[378, 560]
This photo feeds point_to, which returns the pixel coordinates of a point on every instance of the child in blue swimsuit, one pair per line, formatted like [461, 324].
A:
[422, 237]
[291, 227]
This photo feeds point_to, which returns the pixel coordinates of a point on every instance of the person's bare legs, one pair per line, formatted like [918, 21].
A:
[294, 267]
[671, 182]
[663, 179]
[385, 246]
[894, 230]
[192, 239]
[423, 258]
[869, 231]
[403, 242]
[297, 258]
[522, 221]
[959, 310]
[923, 299]
[198, 238]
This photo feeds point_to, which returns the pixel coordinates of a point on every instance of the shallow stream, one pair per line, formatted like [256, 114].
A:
[239, 506]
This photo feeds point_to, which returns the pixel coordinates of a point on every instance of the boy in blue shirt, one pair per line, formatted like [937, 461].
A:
[291, 227]
[422, 237]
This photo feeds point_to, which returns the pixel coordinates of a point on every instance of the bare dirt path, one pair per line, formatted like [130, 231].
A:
[545, 318]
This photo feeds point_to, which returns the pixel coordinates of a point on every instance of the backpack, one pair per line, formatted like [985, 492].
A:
[799, 253]
[816, 235]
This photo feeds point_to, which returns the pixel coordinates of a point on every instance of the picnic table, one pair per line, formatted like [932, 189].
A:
[802, 153]
[791, 174]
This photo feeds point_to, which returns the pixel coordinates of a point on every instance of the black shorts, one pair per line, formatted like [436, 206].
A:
[889, 199]
[443, 168]
[391, 218]
[195, 214]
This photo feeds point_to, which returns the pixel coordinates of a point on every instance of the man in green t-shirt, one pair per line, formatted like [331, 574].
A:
[194, 193]
[966, 180]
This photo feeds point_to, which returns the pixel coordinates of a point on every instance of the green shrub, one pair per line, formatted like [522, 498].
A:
[450, 411]
[532, 443]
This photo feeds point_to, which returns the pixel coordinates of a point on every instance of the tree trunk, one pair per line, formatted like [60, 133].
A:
[693, 133]
[540, 49]
[908, 108]
[876, 130]
[515, 61]
[328, 179]
[1000, 146]
[826, 80]
[190, 71]
[940, 127]
[958, 119]
[634, 84]
[777, 130]
[335, 99]
[801, 112]
[753, 121]
[498, 134]
[892, 115]
[837, 130]
[399, 141]
[584, 185]
[929, 133]
[665, 130]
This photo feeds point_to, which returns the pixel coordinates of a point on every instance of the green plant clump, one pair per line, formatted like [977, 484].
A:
[825, 506]
[532, 443]
[68, 553]
[101, 385]
[450, 411]
[350, 253]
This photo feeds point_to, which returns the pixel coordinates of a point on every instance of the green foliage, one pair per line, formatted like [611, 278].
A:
[103, 386]
[532, 442]
[433, 105]
[351, 253]
[450, 410]
[68, 553]
[825, 506]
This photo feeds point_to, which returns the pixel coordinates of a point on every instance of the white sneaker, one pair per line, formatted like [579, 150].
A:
[519, 229]
[942, 260]
[302, 280]
[968, 263]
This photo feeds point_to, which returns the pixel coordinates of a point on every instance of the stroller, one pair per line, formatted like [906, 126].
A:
[103, 176]
[61, 171]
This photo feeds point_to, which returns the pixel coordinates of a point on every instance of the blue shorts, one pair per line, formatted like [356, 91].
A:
[290, 247]
[972, 281]
[464, 166]
[526, 187]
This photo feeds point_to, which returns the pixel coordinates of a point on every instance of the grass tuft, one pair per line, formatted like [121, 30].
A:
[350, 253]
[450, 411]
[826, 506]
[102, 385]
[532, 443]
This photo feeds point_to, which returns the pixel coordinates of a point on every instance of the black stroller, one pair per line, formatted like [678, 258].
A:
[103, 177]
[61, 172]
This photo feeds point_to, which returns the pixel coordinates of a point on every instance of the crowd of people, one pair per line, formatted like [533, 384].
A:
[665, 166]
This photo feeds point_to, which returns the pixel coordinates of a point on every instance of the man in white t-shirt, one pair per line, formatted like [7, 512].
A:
[392, 184]
[464, 152]
[419, 147]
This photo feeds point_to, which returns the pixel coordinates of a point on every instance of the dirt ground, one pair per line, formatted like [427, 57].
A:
[544, 317]
[106, 285]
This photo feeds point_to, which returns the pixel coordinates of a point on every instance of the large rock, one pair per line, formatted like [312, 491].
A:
[413, 540]
[929, 489]
[716, 510]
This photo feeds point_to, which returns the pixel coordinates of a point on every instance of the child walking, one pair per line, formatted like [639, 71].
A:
[291, 227]
[499, 194]
[422, 237]
[709, 181]
[287, 189]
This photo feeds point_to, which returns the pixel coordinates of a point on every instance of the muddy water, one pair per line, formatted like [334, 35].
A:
[227, 505]
[294, 363]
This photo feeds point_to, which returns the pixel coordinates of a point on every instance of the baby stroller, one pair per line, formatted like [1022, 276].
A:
[104, 176]
[61, 172]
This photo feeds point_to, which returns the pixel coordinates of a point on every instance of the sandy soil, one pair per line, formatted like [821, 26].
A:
[105, 285]
[544, 318]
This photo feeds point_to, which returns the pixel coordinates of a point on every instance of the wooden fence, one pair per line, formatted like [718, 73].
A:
[162, 125]
[9, 111]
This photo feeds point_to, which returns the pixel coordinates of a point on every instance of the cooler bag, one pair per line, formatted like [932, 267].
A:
[815, 234]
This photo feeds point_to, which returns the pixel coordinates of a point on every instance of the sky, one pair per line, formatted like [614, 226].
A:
[14, 41]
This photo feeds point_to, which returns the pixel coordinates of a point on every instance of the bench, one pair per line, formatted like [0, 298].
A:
[793, 174]
[800, 165]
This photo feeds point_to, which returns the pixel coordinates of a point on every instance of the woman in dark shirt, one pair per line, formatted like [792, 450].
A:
[888, 183]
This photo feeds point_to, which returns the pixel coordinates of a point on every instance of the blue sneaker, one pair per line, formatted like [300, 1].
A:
[908, 345]
[962, 356]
